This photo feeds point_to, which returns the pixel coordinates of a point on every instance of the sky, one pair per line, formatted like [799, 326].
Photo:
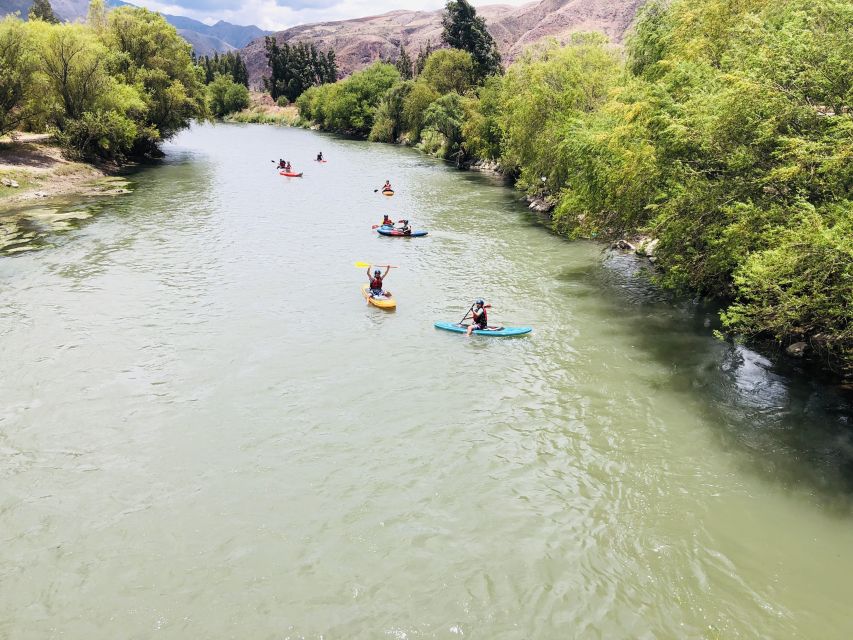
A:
[281, 14]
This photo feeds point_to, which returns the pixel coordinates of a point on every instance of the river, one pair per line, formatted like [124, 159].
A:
[207, 433]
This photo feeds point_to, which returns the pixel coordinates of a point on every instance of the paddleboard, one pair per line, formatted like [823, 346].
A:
[491, 331]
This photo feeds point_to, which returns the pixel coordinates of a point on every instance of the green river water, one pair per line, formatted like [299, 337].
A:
[205, 432]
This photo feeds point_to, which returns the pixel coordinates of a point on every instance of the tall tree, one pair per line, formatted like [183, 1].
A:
[296, 68]
[423, 54]
[463, 29]
[404, 64]
[41, 10]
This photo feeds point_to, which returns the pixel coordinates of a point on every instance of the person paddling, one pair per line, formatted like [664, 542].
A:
[479, 317]
[387, 186]
[376, 281]
[320, 157]
[406, 229]
[282, 164]
[387, 221]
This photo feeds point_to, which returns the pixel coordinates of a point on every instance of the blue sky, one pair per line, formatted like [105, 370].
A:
[280, 14]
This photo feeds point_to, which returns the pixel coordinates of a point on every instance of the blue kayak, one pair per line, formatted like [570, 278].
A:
[389, 231]
[491, 331]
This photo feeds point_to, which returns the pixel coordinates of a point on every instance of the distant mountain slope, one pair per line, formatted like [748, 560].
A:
[205, 39]
[359, 42]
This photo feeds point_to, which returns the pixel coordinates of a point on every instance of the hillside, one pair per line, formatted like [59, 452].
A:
[205, 39]
[359, 42]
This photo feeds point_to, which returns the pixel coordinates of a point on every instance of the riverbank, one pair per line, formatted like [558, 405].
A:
[32, 168]
[263, 110]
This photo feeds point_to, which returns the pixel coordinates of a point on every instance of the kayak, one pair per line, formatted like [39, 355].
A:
[321, 161]
[390, 231]
[388, 192]
[290, 175]
[384, 302]
[491, 331]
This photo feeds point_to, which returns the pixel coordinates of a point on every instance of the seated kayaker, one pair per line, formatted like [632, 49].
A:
[320, 157]
[376, 281]
[479, 317]
[387, 186]
[281, 164]
[387, 221]
[406, 230]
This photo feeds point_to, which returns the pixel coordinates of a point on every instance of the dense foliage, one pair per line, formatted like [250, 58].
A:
[463, 29]
[228, 64]
[113, 87]
[296, 68]
[42, 10]
[224, 96]
[726, 133]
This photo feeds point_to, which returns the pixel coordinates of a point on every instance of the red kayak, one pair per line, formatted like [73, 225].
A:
[290, 175]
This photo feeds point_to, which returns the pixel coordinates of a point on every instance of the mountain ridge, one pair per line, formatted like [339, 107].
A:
[205, 39]
[360, 41]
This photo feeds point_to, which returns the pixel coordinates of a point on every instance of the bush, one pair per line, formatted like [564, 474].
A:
[105, 134]
[225, 96]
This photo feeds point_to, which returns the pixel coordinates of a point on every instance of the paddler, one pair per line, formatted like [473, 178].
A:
[282, 164]
[320, 157]
[376, 281]
[387, 221]
[406, 229]
[479, 318]
[387, 186]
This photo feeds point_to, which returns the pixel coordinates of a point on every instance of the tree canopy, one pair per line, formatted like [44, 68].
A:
[463, 29]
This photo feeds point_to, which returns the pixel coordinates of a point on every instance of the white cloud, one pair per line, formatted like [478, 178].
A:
[276, 15]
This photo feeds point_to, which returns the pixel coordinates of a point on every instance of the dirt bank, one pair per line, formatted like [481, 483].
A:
[37, 167]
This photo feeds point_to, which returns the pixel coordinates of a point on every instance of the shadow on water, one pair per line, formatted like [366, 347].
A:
[793, 429]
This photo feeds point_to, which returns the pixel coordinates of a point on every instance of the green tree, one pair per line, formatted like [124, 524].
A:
[41, 10]
[17, 66]
[296, 68]
[153, 57]
[389, 123]
[404, 64]
[226, 96]
[449, 70]
[96, 16]
[463, 29]
[423, 54]
[442, 133]
[414, 105]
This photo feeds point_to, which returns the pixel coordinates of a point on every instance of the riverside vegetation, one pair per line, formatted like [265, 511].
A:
[112, 88]
[724, 130]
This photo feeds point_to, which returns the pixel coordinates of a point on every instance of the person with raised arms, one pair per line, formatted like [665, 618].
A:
[376, 281]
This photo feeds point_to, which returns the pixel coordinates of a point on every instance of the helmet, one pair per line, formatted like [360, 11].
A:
[479, 301]
[376, 272]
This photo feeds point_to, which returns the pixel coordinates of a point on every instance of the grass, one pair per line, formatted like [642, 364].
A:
[264, 114]
[23, 178]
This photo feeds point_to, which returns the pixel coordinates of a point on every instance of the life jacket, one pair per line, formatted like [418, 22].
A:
[376, 282]
[387, 221]
[483, 320]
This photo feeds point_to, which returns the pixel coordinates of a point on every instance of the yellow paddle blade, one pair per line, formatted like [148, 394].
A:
[363, 265]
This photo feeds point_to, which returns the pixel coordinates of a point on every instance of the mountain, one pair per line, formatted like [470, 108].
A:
[205, 39]
[361, 41]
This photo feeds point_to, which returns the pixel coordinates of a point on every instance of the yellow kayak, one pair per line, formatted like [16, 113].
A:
[383, 302]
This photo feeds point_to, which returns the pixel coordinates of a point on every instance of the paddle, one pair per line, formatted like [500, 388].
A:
[364, 265]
